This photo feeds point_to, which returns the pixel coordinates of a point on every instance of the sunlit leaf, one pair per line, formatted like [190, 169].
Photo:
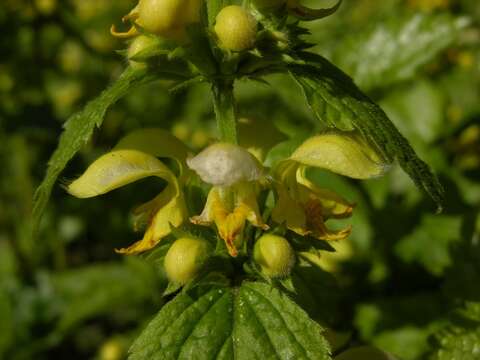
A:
[394, 50]
[254, 321]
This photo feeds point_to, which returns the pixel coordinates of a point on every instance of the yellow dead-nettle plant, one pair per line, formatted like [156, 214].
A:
[136, 157]
[303, 206]
[236, 176]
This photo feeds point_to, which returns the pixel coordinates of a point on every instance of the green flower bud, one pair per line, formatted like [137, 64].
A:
[274, 255]
[139, 44]
[185, 258]
[235, 28]
[168, 17]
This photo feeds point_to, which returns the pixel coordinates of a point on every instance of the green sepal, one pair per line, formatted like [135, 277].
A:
[172, 288]
[198, 51]
[149, 53]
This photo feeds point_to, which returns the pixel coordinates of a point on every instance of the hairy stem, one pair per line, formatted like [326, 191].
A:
[224, 106]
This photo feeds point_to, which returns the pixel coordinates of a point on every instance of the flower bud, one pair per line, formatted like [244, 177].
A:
[226, 164]
[185, 258]
[139, 44]
[274, 255]
[235, 28]
[167, 18]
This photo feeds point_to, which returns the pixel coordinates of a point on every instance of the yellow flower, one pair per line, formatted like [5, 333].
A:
[166, 18]
[135, 158]
[232, 201]
[236, 28]
[303, 206]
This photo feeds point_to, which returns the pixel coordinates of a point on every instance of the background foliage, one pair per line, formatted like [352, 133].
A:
[407, 277]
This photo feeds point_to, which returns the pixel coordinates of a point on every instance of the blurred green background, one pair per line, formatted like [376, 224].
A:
[408, 278]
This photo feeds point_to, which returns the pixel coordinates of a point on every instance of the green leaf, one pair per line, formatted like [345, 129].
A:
[457, 343]
[78, 130]
[198, 51]
[422, 100]
[465, 270]
[400, 324]
[393, 50]
[435, 233]
[318, 293]
[471, 311]
[338, 103]
[100, 289]
[407, 342]
[269, 325]
[253, 321]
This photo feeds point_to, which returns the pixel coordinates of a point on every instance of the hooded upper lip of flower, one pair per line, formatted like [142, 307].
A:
[303, 206]
[236, 176]
[132, 159]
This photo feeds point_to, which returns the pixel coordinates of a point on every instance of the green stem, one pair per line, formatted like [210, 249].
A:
[224, 106]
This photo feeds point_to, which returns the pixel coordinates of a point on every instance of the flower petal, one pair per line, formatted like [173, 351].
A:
[333, 205]
[246, 196]
[229, 222]
[307, 212]
[230, 209]
[116, 169]
[225, 165]
[345, 153]
[289, 212]
[166, 210]
[316, 223]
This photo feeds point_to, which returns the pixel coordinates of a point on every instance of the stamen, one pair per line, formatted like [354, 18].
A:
[316, 223]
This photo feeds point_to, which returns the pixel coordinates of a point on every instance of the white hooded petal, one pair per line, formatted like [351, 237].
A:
[225, 165]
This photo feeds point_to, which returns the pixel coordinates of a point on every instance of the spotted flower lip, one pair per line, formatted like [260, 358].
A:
[303, 206]
[230, 209]
[135, 158]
